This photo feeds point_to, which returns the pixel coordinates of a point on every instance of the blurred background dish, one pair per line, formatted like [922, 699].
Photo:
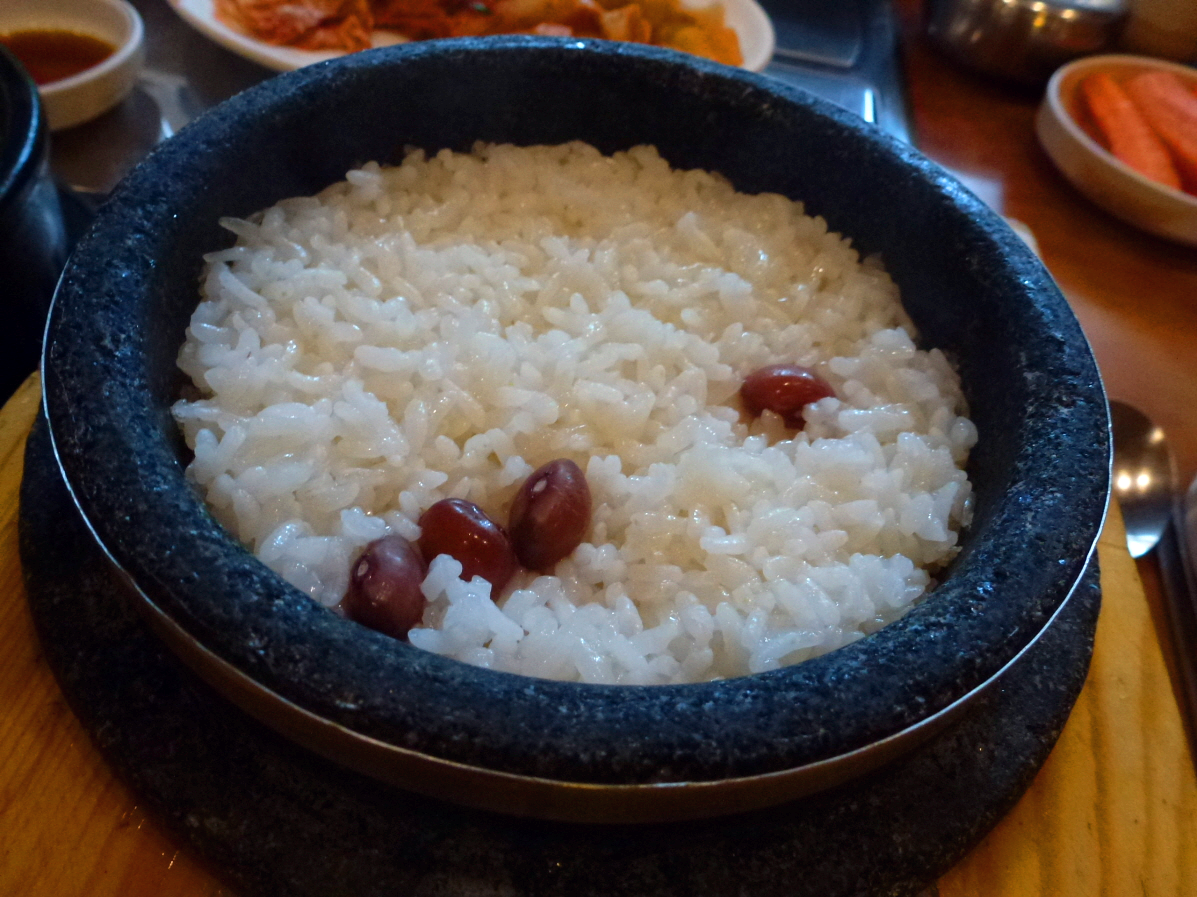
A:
[104, 37]
[1023, 41]
[1093, 170]
[746, 18]
[845, 51]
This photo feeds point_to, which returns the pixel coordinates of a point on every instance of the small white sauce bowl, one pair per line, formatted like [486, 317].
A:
[1093, 170]
[82, 97]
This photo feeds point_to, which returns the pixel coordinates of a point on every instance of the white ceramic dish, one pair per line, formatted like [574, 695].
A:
[1105, 180]
[82, 97]
[751, 23]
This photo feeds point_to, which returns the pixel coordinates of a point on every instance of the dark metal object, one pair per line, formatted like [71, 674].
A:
[33, 237]
[845, 51]
[1023, 41]
[1180, 562]
[1188, 528]
[1181, 608]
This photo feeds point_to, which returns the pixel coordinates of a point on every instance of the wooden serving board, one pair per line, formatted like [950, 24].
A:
[1111, 813]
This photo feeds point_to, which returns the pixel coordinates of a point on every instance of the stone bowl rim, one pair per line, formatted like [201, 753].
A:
[458, 705]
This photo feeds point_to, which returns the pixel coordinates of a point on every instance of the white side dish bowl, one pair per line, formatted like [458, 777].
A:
[750, 22]
[1093, 170]
[82, 97]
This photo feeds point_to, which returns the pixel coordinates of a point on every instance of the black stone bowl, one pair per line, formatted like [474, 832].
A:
[531, 746]
[33, 238]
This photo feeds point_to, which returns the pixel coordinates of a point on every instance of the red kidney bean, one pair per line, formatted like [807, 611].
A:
[785, 389]
[384, 587]
[550, 515]
[462, 530]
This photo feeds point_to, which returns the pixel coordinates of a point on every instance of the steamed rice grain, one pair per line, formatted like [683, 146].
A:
[443, 327]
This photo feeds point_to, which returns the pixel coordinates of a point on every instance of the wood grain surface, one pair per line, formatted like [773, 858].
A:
[69, 827]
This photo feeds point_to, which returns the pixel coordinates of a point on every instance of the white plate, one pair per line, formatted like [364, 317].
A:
[751, 24]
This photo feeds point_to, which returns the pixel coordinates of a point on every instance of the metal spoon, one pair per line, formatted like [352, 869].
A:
[1144, 483]
[1144, 477]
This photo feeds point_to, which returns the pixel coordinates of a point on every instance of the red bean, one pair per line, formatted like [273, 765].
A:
[550, 515]
[784, 388]
[384, 587]
[462, 530]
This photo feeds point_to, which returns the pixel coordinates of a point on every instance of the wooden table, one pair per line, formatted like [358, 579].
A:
[1113, 810]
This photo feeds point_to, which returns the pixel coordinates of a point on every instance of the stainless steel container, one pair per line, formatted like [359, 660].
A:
[1023, 41]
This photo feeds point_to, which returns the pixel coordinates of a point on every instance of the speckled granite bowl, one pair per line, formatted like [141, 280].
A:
[532, 746]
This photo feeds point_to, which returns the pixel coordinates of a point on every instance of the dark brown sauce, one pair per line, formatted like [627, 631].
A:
[51, 55]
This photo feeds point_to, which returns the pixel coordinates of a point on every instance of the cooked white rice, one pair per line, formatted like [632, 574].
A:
[444, 327]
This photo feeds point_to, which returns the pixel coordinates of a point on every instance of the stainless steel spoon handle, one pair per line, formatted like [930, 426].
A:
[1187, 524]
[1179, 579]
